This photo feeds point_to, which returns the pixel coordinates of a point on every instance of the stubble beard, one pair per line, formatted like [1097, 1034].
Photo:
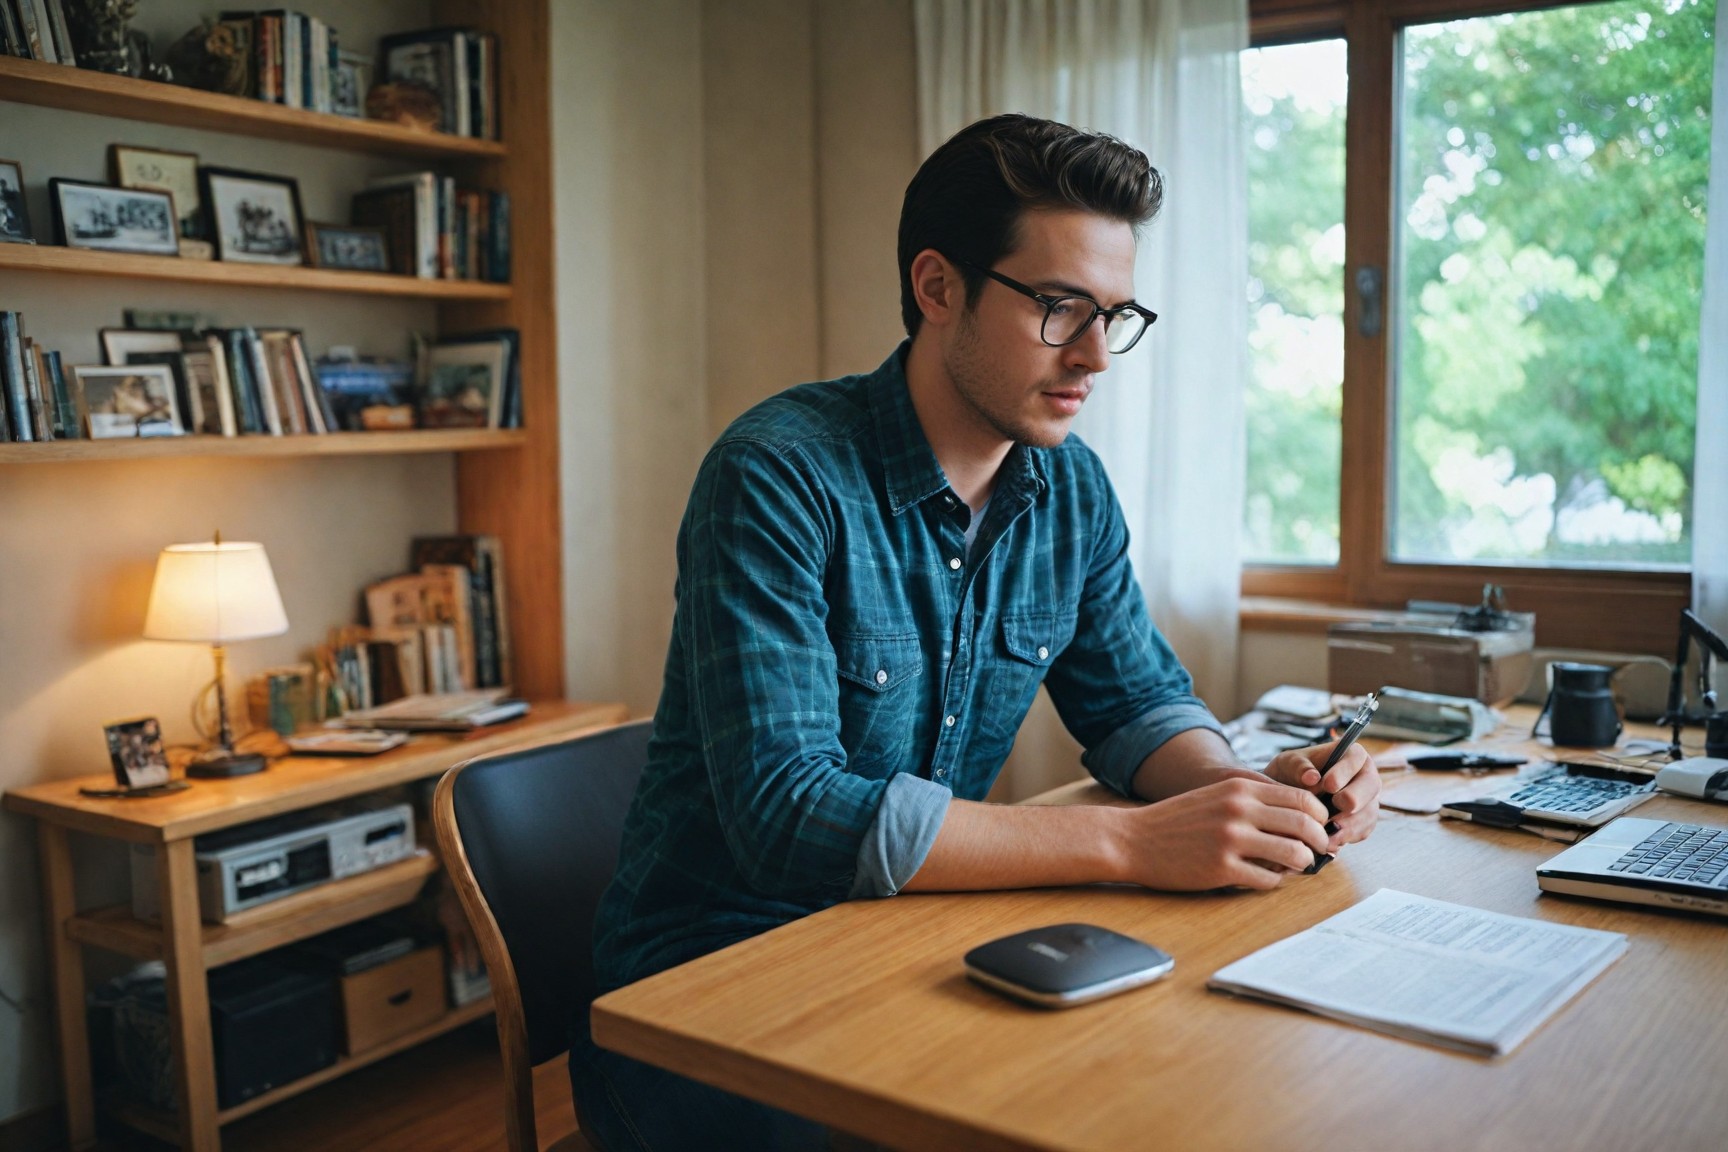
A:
[969, 368]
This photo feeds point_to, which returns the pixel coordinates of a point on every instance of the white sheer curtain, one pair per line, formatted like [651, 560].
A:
[1710, 469]
[1167, 418]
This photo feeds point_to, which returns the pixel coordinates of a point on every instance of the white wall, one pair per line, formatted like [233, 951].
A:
[627, 133]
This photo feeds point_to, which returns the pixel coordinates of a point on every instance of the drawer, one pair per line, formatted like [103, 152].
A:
[382, 1003]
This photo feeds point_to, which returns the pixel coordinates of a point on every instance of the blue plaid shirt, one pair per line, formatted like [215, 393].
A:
[842, 664]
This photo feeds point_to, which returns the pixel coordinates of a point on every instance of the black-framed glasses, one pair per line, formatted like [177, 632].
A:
[1066, 318]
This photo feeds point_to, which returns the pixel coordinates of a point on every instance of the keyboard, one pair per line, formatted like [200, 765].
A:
[1682, 851]
[1575, 796]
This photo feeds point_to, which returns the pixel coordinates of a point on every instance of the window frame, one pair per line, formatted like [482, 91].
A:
[1620, 610]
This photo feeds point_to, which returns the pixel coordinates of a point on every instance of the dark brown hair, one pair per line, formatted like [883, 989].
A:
[968, 197]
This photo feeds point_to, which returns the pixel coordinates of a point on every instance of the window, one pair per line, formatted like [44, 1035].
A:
[1293, 102]
[1517, 306]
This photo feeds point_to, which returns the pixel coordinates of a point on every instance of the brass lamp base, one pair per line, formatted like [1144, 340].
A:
[222, 763]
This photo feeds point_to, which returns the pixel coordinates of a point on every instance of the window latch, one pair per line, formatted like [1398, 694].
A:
[1370, 286]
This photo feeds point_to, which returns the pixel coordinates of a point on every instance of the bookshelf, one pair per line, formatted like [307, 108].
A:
[506, 483]
[77, 90]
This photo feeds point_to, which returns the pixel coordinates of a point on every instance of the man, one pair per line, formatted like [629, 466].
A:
[876, 573]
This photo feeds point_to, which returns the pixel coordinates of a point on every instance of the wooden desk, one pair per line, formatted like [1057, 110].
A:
[189, 947]
[860, 1017]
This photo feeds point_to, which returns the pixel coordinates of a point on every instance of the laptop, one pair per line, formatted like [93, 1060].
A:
[1581, 795]
[1668, 863]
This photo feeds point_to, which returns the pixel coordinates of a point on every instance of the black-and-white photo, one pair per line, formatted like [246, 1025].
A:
[114, 219]
[356, 247]
[256, 217]
[14, 219]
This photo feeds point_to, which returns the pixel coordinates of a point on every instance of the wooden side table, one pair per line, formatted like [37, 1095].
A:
[189, 948]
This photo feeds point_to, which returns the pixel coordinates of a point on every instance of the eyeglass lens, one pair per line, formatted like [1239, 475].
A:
[1067, 318]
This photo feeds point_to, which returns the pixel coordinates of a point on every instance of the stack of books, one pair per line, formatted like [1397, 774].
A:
[294, 58]
[439, 712]
[459, 65]
[36, 30]
[440, 628]
[37, 402]
[438, 231]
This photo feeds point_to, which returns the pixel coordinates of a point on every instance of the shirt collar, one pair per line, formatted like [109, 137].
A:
[909, 463]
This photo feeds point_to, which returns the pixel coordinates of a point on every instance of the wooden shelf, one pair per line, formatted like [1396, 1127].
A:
[269, 925]
[128, 265]
[101, 94]
[162, 1125]
[333, 444]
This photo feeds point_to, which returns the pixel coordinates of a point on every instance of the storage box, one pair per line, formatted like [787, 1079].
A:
[1492, 667]
[385, 1002]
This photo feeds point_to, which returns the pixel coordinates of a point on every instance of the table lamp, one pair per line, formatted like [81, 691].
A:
[215, 594]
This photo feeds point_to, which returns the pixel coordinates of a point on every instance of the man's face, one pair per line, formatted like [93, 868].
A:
[1018, 387]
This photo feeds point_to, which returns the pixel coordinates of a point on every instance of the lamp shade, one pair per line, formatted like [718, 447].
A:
[214, 593]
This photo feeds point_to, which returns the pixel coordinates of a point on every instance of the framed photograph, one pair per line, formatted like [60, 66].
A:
[119, 343]
[350, 83]
[124, 401]
[108, 219]
[135, 749]
[255, 218]
[356, 247]
[14, 218]
[175, 173]
[464, 385]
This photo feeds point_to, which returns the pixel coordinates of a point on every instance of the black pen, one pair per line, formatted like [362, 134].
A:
[1360, 721]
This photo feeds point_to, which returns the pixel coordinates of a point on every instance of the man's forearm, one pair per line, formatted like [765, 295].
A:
[1186, 761]
[986, 846]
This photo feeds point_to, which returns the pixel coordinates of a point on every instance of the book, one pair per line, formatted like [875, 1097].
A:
[40, 413]
[440, 712]
[71, 422]
[476, 555]
[62, 34]
[449, 600]
[12, 376]
[1429, 971]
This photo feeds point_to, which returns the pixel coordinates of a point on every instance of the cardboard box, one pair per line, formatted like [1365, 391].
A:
[391, 999]
[1492, 667]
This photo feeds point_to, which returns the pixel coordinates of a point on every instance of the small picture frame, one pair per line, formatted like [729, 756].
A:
[175, 173]
[135, 750]
[254, 217]
[355, 247]
[105, 219]
[126, 401]
[14, 216]
[119, 343]
[350, 82]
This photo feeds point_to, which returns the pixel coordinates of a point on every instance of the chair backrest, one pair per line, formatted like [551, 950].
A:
[539, 829]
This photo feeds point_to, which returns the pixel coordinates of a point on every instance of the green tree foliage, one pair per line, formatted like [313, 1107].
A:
[1553, 191]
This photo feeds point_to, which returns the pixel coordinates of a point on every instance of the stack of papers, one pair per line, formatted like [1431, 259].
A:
[1430, 971]
[438, 712]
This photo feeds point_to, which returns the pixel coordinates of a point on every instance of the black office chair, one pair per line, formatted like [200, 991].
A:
[530, 840]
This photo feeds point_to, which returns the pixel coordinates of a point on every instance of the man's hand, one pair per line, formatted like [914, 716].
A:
[1353, 783]
[1237, 832]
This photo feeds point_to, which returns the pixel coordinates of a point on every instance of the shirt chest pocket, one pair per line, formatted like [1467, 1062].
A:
[879, 688]
[1024, 646]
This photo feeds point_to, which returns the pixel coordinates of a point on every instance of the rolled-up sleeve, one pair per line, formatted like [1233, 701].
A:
[899, 839]
[763, 681]
[1118, 685]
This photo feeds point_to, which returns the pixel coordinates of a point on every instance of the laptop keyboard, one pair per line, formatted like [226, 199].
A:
[1679, 852]
[1573, 795]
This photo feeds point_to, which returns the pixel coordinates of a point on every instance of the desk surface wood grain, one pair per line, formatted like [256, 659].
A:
[861, 1017]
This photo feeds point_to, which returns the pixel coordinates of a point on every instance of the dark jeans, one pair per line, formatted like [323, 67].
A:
[629, 1106]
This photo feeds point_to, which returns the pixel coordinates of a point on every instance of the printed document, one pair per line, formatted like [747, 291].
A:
[1428, 970]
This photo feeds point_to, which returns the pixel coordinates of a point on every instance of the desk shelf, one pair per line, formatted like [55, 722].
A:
[162, 1125]
[267, 926]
